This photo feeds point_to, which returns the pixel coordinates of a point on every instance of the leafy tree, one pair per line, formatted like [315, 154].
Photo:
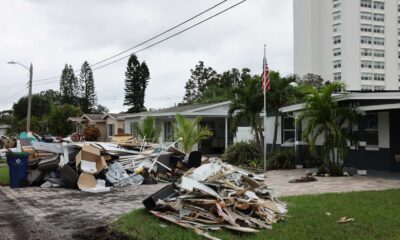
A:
[101, 109]
[325, 117]
[6, 117]
[147, 129]
[197, 83]
[58, 119]
[311, 79]
[282, 93]
[137, 76]
[247, 107]
[87, 90]
[52, 95]
[69, 86]
[40, 107]
[190, 131]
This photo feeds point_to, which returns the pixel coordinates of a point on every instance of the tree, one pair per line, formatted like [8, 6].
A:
[148, 130]
[52, 95]
[101, 109]
[58, 119]
[325, 117]
[197, 83]
[40, 107]
[311, 79]
[87, 90]
[69, 86]
[281, 94]
[247, 107]
[137, 76]
[190, 131]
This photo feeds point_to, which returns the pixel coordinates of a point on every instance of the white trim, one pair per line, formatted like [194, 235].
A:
[208, 107]
[380, 107]
[292, 108]
[91, 120]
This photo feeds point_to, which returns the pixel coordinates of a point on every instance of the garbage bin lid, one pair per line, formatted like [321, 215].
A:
[17, 154]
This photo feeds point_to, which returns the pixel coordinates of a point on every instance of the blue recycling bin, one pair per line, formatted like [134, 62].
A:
[18, 168]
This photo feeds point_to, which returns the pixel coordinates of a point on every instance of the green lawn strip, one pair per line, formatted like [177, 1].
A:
[4, 178]
[376, 216]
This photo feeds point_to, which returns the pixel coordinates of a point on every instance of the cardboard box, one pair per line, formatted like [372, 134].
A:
[86, 180]
[91, 154]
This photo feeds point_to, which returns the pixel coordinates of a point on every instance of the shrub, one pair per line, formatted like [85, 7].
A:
[281, 159]
[243, 153]
[91, 133]
[334, 169]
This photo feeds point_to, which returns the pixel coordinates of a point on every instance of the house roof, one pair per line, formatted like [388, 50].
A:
[118, 116]
[187, 110]
[94, 117]
[355, 96]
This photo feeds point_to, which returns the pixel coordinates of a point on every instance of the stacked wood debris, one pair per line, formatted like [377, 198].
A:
[218, 196]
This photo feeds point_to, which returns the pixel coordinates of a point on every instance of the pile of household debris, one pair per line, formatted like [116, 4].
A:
[217, 196]
[97, 166]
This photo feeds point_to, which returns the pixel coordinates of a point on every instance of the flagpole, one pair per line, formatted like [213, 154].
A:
[265, 112]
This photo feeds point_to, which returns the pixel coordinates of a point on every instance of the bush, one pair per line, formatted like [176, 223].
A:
[310, 160]
[333, 169]
[91, 133]
[243, 153]
[281, 159]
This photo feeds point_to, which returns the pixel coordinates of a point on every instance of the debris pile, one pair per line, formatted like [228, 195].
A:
[218, 196]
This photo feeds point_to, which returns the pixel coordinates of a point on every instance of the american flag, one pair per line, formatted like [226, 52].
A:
[266, 85]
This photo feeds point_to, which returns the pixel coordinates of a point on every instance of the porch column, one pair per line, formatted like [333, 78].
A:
[226, 133]
[298, 145]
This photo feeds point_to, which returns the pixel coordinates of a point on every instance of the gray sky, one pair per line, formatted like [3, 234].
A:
[51, 33]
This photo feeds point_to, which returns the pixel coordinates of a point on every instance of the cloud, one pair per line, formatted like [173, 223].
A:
[52, 33]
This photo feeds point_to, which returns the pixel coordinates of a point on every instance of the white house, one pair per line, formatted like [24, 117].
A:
[214, 116]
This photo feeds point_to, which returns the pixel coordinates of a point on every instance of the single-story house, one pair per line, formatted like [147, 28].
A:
[214, 116]
[96, 120]
[115, 124]
[378, 130]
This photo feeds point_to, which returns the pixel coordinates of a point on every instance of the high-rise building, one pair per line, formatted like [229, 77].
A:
[356, 41]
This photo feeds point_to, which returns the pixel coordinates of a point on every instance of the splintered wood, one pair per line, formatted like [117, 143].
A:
[219, 196]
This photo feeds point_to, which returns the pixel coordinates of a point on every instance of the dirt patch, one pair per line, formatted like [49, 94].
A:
[100, 233]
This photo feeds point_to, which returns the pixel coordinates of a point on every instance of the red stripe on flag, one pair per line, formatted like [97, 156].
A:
[266, 85]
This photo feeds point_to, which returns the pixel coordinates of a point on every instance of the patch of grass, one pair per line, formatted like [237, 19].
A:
[4, 178]
[376, 217]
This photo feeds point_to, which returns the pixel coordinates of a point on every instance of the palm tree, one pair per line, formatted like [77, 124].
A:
[148, 130]
[281, 94]
[190, 131]
[325, 117]
[247, 106]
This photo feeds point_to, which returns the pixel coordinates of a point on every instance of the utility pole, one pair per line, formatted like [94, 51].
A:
[28, 117]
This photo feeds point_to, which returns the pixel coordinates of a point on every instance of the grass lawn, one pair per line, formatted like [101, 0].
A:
[4, 176]
[376, 217]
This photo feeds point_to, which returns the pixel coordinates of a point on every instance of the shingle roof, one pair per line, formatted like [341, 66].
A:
[179, 109]
[95, 117]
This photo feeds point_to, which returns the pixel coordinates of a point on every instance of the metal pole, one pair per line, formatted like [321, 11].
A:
[28, 117]
[265, 113]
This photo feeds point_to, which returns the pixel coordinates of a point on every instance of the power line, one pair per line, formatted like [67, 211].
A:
[16, 94]
[148, 40]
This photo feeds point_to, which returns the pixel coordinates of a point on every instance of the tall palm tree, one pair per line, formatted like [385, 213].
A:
[325, 117]
[190, 131]
[247, 106]
[282, 93]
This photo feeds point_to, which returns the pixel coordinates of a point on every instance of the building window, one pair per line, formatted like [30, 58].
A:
[367, 88]
[366, 64]
[372, 130]
[379, 65]
[110, 130]
[366, 40]
[169, 131]
[379, 29]
[366, 28]
[379, 17]
[134, 127]
[379, 88]
[337, 64]
[337, 40]
[366, 15]
[336, 28]
[366, 76]
[289, 129]
[379, 53]
[366, 3]
[366, 52]
[379, 5]
[337, 76]
[336, 3]
[379, 77]
[379, 41]
[336, 15]
[337, 52]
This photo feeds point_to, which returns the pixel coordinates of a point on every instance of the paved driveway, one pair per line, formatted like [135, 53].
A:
[278, 180]
[36, 213]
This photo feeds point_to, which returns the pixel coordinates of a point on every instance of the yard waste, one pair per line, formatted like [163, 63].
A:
[218, 196]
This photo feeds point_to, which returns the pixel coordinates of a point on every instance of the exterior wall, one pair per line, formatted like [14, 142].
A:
[103, 131]
[313, 42]
[111, 121]
[3, 131]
